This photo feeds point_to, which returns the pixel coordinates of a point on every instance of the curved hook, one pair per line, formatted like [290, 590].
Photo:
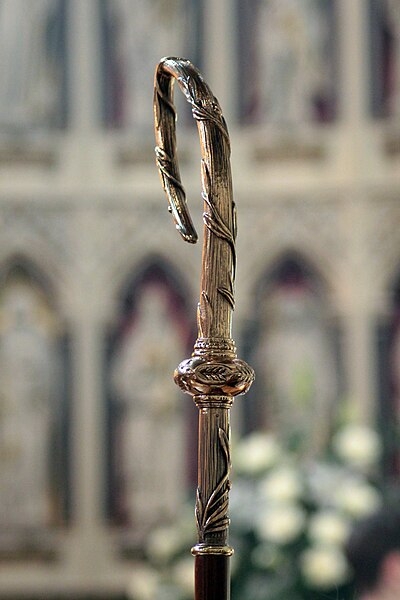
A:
[206, 111]
[219, 257]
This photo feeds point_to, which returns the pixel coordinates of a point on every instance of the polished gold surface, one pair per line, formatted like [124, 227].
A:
[213, 375]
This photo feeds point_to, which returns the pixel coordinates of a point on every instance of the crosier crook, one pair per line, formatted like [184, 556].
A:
[213, 375]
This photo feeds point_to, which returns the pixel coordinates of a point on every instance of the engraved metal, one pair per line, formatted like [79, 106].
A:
[213, 375]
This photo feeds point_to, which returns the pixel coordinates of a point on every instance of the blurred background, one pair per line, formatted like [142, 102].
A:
[98, 292]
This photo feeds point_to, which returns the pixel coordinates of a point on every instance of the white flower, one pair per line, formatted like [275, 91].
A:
[357, 445]
[281, 485]
[324, 479]
[329, 527]
[242, 504]
[324, 567]
[281, 524]
[163, 543]
[143, 585]
[357, 498]
[255, 453]
[184, 575]
[266, 556]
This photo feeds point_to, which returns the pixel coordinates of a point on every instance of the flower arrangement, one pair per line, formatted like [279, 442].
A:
[291, 517]
[168, 571]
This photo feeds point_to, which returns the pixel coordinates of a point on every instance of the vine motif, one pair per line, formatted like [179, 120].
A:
[215, 373]
[205, 107]
[167, 102]
[204, 312]
[214, 222]
[164, 164]
[213, 516]
[200, 111]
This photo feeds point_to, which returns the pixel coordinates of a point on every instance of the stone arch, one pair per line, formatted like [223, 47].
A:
[23, 266]
[137, 257]
[312, 261]
[151, 267]
[33, 256]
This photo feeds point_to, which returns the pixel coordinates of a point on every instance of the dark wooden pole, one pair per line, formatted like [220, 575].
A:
[212, 577]
[213, 375]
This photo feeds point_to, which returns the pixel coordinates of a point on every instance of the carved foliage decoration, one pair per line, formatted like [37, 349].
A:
[212, 515]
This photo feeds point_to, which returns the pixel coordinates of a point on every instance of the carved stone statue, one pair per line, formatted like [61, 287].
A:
[153, 429]
[146, 31]
[291, 38]
[296, 361]
[28, 376]
[29, 77]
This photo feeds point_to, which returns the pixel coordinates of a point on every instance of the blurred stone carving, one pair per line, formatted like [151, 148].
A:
[30, 78]
[291, 36]
[295, 359]
[28, 375]
[153, 448]
[145, 31]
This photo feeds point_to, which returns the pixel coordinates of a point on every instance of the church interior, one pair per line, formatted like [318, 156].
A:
[98, 293]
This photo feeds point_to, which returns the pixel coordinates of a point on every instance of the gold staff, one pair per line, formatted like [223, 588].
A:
[213, 375]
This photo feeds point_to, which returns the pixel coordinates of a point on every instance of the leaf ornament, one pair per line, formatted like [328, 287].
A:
[213, 517]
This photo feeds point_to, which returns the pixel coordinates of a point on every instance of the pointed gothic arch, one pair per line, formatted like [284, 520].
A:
[20, 266]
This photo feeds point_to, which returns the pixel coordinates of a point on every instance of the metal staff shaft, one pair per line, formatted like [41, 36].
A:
[214, 374]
